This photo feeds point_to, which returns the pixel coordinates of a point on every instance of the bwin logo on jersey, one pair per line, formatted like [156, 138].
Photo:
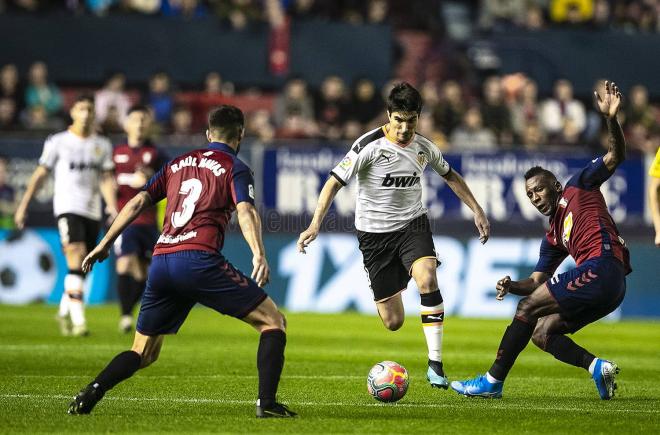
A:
[390, 181]
[83, 166]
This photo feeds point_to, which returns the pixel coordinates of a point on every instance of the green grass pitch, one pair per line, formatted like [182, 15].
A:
[205, 380]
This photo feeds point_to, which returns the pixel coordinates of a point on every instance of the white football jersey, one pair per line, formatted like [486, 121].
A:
[389, 179]
[77, 164]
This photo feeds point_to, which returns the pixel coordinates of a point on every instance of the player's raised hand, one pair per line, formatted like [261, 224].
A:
[98, 254]
[481, 221]
[609, 103]
[260, 270]
[307, 237]
[503, 287]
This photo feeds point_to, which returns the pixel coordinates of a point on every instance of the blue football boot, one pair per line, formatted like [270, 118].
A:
[436, 375]
[604, 376]
[478, 387]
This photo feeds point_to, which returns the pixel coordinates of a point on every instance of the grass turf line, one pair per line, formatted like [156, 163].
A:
[206, 379]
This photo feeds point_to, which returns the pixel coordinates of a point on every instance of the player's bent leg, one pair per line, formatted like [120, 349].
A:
[145, 351]
[549, 335]
[432, 312]
[71, 315]
[538, 304]
[391, 311]
[271, 323]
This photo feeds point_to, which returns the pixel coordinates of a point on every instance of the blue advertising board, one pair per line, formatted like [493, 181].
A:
[330, 277]
[292, 178]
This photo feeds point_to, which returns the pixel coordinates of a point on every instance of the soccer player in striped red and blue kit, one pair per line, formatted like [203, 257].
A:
[580, 226]
[136, 161]
[203, 188]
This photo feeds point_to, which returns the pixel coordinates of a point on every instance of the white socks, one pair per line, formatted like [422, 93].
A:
[491, 379]
[73, 289]
[64, 305]
[592, 366]
[432, 323]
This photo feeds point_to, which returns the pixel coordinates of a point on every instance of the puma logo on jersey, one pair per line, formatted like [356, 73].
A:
[390, 181]
[383, 156]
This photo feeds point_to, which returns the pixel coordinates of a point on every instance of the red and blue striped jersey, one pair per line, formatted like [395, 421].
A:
[202, 188]
[582, 227]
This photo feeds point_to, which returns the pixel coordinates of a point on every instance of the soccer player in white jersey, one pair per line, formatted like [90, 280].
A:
[82, 167]
[392, 226]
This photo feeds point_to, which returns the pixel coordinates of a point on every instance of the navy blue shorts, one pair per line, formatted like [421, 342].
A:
[590, 291]
[179, 280]
[137, 240]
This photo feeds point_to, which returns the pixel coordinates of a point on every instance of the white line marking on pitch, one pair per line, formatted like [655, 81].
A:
[373, 405]
[328, 377]
[200, 376]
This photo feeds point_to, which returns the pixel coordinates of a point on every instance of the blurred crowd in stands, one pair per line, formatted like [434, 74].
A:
[506, 113]
[461, 111]
[495, 15]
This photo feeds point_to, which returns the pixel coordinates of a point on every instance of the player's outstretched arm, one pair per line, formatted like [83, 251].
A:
[37, 179]
[250, 223]
[608, 105]
[132, 210]
[328, 193]
[461, 189]
[524, 287]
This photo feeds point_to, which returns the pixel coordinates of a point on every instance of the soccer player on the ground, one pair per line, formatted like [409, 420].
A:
[135, 162]
[654, 195]
[393, 229]
[203, 188]
[82, 166]
[580, 226]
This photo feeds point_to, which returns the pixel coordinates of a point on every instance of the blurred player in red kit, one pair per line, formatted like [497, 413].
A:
[135, 162]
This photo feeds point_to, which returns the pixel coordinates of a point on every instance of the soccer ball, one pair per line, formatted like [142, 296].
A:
[387, 381]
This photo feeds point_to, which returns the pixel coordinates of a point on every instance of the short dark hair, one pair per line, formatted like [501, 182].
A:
[538, 170]
[404, 98]
[227, 122]
[138, 108]
[82, 98]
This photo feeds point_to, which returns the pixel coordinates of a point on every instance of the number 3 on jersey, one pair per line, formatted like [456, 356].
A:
[192, 188]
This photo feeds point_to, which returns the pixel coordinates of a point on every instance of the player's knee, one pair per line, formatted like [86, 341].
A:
[272, 320]
[427, 283]
[122, 265]
[279, 321]
[149, 356]
[540, 337]
[393, 323]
